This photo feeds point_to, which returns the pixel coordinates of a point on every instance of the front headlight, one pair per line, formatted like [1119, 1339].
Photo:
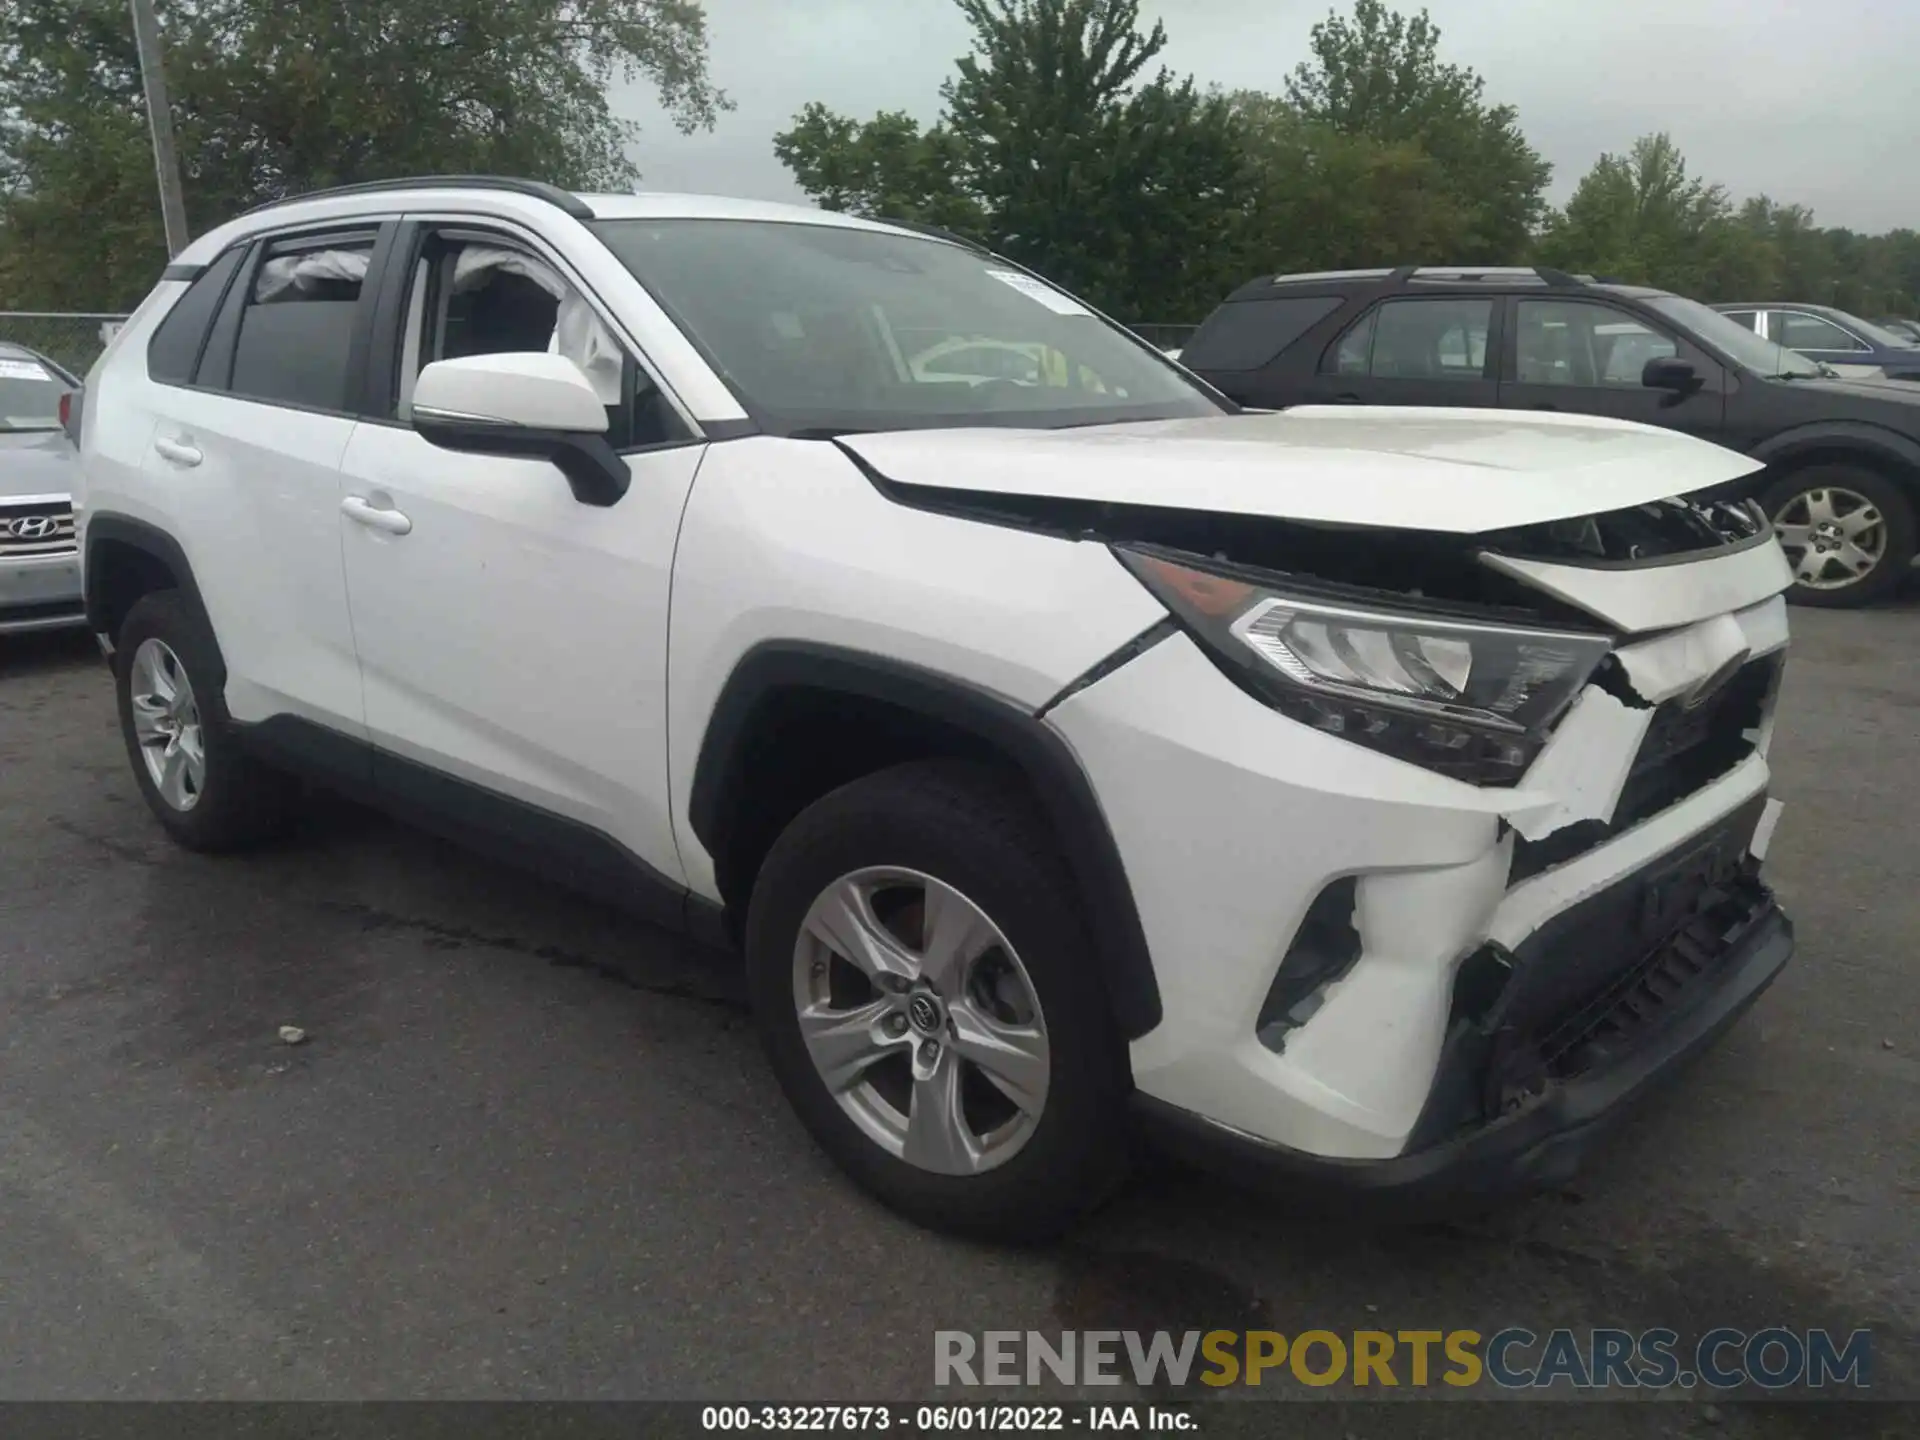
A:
[1473, 700]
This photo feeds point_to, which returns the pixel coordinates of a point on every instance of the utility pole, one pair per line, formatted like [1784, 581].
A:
[166, 163]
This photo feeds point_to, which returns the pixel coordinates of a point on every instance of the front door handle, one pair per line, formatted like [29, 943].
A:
[363, 511]
[179, 452]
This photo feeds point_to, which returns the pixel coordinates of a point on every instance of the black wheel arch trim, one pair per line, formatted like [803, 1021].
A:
[1869, 440]
[103, 526]
[1038, 751]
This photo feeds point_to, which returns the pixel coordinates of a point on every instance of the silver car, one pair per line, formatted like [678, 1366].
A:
[39, 565]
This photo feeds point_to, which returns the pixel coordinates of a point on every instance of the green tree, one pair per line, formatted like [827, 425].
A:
[1061, 149]
[1323, 199]
[1379, 76]
[270, 99]
[884, 166]
[1642, 217]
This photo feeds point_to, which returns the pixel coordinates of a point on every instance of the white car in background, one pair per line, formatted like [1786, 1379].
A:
[1370, 800]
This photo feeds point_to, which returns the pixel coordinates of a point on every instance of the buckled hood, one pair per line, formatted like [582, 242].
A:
[1454, 471]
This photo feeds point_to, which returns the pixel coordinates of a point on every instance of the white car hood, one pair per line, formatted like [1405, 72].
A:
[1459, 471]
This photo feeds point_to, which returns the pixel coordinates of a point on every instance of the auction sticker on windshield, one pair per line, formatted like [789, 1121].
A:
[23, 370]
[1038, 290]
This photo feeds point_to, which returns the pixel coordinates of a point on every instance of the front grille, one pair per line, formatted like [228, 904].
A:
[1597, 981]
[1682, 753]
[43, 528]
[1623, 1014]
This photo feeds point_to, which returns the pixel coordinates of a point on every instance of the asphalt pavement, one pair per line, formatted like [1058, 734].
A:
[528, 1147]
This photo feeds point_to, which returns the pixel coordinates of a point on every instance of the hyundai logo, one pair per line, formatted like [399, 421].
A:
[33, 527]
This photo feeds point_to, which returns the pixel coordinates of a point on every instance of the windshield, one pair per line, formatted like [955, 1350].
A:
[29, 394]
[825, 329]
[1733, 339]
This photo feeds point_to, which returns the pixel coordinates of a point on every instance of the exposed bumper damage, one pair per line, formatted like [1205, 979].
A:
[1518, 962]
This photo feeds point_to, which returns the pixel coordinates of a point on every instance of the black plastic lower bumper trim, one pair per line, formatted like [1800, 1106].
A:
[1542, 1145]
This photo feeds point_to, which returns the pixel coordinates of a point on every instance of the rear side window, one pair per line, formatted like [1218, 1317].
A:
[296, 329]
[175, 347]
[1417, 340]
[1247, 334]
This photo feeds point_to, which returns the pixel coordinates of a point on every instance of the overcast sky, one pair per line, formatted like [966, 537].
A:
[1812, 101]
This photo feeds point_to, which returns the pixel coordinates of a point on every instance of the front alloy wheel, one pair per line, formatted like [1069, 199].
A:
[1834, 537]
[924, 983]
[921, 1020]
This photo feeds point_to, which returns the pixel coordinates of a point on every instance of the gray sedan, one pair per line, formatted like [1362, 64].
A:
[39, 563]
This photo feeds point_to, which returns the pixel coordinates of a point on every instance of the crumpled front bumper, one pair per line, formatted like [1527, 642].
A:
[1234, 823]
[1548, 1111]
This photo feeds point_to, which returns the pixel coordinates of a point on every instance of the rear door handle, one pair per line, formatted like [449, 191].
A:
[177, 451]
[363, 511]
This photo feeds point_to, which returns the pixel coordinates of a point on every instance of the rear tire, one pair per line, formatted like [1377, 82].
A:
[1857, 514]
[202, 787]
[904, 866]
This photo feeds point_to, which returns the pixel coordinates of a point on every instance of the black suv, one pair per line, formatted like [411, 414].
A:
[1842, 482]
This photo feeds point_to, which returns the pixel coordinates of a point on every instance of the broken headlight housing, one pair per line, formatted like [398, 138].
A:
[1471, 699]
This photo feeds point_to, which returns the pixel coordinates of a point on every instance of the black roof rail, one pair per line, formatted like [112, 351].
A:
[932, 232]
[1473, 274]
[565, 200]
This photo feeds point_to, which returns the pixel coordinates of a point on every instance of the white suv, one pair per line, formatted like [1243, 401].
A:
[1360, 799]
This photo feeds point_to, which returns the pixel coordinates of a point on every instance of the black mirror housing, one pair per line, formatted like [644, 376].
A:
[593, 469]
[1669, 372]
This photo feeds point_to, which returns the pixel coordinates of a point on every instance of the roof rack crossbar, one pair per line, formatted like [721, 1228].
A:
[536, 189]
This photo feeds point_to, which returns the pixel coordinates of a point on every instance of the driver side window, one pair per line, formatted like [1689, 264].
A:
[478, 296]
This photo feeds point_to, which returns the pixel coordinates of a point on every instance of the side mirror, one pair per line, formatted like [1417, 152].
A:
[1671, 373]
[530, 404]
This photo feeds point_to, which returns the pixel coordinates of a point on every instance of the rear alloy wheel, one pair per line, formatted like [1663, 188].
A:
[928, 996]
[166, 723]
[203, 788]
[1847, 533]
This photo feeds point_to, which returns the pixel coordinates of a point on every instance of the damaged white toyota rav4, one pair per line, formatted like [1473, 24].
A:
[1358, 799]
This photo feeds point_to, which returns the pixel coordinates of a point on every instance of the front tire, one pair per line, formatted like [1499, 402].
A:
[203, 789]
[926, 993]
[1848, 533]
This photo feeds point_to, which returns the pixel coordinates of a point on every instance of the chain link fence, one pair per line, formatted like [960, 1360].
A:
[67, 338]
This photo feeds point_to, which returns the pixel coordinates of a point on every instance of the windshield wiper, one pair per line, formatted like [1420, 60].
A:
[825, 432]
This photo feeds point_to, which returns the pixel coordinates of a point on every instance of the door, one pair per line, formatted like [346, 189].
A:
[1414, 350]
[1587, 357]
[250, 435]
[513, 640]
[1821, 339]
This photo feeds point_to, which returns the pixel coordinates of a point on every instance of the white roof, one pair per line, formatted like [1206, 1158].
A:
[513, 203]
[665, 205]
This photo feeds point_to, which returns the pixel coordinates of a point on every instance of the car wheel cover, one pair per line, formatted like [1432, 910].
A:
[924, 1025]
[166, 724]
[1834, 537]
